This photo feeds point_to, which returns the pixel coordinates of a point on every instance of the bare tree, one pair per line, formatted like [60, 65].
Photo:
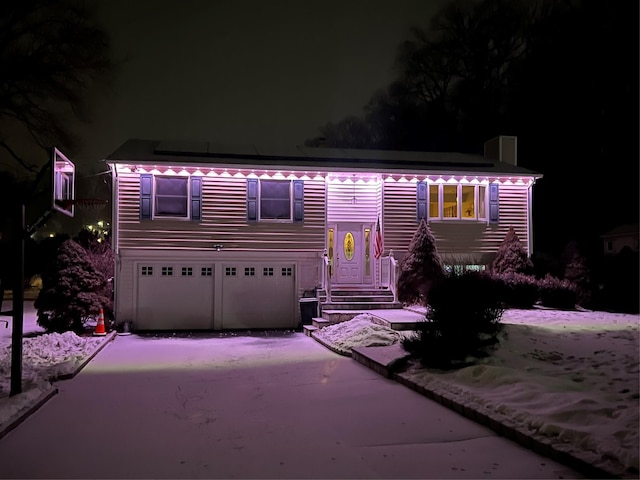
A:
[51, 52]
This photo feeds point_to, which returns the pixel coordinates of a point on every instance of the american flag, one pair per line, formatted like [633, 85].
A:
[377, 247]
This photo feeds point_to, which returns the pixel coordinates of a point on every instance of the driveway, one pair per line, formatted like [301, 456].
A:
[264, 405]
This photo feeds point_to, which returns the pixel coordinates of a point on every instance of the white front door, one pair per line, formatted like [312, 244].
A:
[349, 254]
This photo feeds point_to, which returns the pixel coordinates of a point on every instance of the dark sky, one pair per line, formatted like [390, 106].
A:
[244, 71]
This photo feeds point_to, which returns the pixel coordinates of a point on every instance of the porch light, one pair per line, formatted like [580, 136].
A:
[217, 246]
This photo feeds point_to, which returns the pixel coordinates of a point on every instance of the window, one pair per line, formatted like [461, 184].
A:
[206, 271]
[267, 271]
[275, 200]
[146, 271]
[187, 271]
[458, 202]
[230, 271]
[167, 271]
[170, 197]
[249, 271]
[287, 271]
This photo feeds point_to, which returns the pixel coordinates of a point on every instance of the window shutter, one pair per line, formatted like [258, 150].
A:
[298, 200]
[421, 211]
[196, 198]
[493, 203]
[146, 195]
[252, 199]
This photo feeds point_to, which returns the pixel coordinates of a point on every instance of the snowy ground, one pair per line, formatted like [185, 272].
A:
[570, 377]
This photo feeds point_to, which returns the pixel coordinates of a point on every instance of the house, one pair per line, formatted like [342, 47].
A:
[622, 236]
[214, 237]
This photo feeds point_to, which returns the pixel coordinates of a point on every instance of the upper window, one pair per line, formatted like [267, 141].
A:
[170, 197]
[457, 202]
[275, 200]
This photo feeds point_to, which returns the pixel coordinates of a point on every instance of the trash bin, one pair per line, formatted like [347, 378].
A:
[308, 309]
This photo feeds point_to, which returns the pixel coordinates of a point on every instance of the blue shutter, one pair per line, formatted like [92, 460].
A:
[146, 195]
[493, 203]
[298, 200]
[421, 194]
[196, 198]
[252, 199]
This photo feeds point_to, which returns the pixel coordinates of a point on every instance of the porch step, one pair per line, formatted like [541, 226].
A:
[333, 305]
[357, 298]
[308, 329]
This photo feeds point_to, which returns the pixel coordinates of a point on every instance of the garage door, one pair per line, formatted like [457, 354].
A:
[258, 295]
[174, 296]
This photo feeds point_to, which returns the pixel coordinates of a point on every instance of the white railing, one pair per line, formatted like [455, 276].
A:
[393, 275]
[389, 274]
[325, 266]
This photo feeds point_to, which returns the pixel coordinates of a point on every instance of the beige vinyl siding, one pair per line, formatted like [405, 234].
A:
[454, 238]
[224, 221]
[398, 215]
[352, 203]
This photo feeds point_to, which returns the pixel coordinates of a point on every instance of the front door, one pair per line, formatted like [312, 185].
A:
[349, 254]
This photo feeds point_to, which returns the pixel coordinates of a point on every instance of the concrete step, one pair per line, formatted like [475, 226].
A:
[308, 329]
[360, 306]
[358, 298]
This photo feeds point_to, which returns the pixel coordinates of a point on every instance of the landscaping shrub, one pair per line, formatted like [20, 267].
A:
[511, 256]
[462, 322]
[421, 267]
[518, 290]
[72, 291]
[577, 272]
[101, 255]
[556, 293]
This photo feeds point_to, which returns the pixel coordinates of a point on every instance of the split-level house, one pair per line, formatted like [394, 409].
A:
[214, 237]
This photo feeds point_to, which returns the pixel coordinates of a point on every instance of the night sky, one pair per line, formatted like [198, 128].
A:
[243, 71]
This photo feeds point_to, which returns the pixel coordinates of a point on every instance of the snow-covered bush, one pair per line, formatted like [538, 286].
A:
[72, 290]
[421, 267]
[518, 290]
[511, 256]
[556, 293]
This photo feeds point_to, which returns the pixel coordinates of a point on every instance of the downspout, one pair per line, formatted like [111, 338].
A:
[530, 216]
[114, 239]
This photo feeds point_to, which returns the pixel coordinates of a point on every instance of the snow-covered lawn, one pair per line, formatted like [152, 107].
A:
[45, 358]
[569, 378]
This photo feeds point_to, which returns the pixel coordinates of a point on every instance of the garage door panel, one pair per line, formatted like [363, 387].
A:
[175, 296]
[258, 296]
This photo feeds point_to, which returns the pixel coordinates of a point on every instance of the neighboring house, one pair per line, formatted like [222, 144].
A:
[209, 237]
[622, 236]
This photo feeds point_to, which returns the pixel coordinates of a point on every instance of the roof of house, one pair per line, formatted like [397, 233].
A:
[207, 153]
[623, 230]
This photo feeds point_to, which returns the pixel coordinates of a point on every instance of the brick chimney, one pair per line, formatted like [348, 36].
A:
[502, 148]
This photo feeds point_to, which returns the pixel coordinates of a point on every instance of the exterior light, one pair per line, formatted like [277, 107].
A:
[217, 246]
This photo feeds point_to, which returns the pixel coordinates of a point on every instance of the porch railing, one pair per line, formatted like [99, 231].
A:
[325, 268]
[389, 274]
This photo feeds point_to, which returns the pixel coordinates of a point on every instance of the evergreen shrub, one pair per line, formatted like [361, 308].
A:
[557, 293]
[72, 291]
[462, 322]
[420, 269]
[511, 256]
[518, 290]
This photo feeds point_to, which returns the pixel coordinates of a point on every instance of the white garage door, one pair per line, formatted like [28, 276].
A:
[258, 295]
[174, 296]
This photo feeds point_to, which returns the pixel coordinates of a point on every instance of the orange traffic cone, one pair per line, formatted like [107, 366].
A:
[100, 326]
